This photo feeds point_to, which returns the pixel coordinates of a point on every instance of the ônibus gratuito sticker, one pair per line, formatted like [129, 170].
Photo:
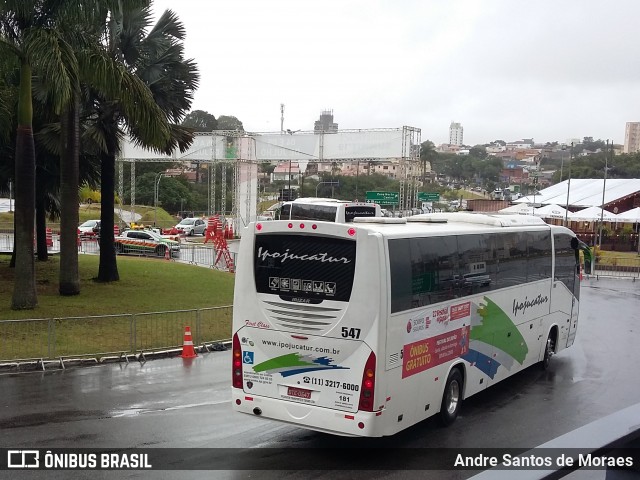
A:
[430, 352]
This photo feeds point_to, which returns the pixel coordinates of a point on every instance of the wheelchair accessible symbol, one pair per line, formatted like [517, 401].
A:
[247, 358]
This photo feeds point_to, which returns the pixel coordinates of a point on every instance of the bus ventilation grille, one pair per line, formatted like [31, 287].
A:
[302, 317]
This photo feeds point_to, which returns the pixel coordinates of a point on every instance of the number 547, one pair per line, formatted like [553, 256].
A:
[350, 332]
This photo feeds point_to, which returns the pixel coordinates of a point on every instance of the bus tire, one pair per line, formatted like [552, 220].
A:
[548, 352]
[451, 398]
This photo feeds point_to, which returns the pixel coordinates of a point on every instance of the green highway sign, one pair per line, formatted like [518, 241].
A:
[428, 197]
[383, 198]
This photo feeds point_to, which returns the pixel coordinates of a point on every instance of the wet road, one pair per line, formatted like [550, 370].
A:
[171, 403]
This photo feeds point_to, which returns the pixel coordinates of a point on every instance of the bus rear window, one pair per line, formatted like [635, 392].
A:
[304, 268]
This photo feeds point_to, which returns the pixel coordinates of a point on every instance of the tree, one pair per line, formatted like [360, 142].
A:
[228, 122]
[169, 195]
[159, 91]
[200, 121]
[28, 31]
[478, 151]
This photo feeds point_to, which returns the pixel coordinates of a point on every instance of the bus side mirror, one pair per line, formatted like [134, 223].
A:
[574, 243]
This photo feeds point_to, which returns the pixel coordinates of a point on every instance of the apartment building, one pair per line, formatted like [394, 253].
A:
[632, 137]
[456, 134]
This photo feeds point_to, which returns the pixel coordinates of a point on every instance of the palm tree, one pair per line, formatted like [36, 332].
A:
[28, 32]
[157, 58]
[427, 154]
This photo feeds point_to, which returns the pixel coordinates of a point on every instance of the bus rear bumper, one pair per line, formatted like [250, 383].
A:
[358, 424]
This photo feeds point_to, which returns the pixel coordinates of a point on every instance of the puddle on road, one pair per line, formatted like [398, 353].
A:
[132, 412]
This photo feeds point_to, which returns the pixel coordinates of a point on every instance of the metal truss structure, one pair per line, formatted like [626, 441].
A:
[243, 151]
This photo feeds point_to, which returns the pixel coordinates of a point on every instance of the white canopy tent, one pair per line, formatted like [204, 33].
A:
[551, 211]
[630, 216]
[7, 205]
[521, 209]
[585, 192]
[592, 214]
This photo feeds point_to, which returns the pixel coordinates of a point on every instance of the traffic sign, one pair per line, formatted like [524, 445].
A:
[428, 197]
[383, 198]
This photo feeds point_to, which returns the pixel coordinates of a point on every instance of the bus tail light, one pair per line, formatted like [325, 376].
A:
[368, 384]
[236, 363]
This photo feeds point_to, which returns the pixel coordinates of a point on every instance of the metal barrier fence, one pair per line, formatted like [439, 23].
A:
[99, 336]
[620, 267]
[192, 253]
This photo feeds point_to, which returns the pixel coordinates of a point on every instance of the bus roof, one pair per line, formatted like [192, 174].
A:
[449, 223]
[461, 217]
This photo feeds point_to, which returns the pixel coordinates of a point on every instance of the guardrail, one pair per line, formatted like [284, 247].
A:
[95, 337]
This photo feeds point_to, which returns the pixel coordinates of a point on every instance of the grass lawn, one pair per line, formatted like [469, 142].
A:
[146, 285]
[607, 257]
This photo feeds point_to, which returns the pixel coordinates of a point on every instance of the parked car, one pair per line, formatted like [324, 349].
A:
[90, 228]
[192, 226]
[145, 242]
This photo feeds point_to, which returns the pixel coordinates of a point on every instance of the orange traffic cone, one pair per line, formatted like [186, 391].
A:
[167, 254]
[187, 348]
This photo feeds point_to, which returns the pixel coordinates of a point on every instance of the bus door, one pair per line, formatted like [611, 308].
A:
[573, 323]
[567, 271]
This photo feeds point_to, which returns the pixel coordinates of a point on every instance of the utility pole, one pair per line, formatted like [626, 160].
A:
[604, 186]
[357, 172]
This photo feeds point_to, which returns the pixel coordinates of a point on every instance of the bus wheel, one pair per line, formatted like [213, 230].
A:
[452, 398]
[548, 352]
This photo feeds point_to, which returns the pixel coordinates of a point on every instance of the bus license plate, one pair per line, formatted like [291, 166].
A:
[298, 392]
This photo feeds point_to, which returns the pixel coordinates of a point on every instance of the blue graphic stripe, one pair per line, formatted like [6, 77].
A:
[486, 364]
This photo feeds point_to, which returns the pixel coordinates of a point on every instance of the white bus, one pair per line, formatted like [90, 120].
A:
[326, 209]
[361, 329]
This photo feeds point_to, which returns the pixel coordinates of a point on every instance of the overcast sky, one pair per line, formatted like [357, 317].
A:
[505, 69]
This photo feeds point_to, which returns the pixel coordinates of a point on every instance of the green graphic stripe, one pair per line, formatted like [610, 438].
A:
[498, 330]
[288, 360]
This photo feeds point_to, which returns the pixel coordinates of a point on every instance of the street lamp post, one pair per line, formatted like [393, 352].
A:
[326, 183]
[566, 212]
[156, 188]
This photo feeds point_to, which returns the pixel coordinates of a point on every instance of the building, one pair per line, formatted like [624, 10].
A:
[189, 173]
[286, 172]
[632, 137]
[524, 144]
[325, 123]
[456, 134]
